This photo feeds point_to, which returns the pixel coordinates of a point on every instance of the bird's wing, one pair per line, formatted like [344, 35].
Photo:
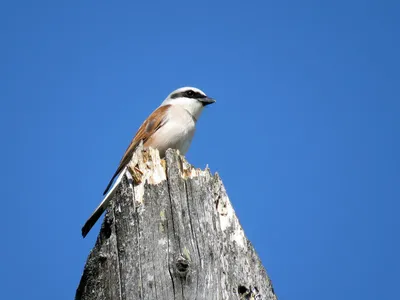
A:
[146, 130]
[154, 122]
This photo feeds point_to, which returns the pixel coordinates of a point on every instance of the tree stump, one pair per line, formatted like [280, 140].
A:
[171, 233]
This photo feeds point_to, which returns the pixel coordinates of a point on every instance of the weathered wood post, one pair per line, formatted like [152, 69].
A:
[174, 235]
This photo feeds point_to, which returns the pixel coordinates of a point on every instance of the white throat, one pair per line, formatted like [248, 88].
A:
[192, 106]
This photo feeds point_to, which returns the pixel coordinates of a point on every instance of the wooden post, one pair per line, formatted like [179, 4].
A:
[174, 235]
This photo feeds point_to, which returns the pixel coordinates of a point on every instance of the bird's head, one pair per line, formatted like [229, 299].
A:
[190, 98]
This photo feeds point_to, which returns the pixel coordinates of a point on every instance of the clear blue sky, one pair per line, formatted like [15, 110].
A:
[305, 133]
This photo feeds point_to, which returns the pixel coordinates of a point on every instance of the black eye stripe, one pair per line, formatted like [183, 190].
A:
[192, 94]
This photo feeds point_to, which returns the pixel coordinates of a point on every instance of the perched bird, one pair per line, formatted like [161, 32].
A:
[171, 125]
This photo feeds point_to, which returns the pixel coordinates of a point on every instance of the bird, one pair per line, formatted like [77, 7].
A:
[171, 125]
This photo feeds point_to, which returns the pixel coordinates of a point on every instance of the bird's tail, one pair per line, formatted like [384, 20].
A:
[103, 205]
[94, 217]
[111, 182]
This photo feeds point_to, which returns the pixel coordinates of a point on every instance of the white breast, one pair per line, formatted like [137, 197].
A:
[176, 133]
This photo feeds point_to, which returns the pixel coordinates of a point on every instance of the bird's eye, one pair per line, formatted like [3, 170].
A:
[190, 93]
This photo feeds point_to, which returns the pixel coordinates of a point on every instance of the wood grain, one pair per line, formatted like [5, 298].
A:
[177, 238]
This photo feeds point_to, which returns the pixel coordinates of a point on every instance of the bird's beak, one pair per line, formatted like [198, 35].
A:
[207, 101]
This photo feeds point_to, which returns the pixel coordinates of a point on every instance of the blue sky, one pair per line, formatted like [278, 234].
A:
[305, 133]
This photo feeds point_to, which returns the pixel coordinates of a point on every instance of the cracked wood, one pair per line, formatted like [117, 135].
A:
[173, 236]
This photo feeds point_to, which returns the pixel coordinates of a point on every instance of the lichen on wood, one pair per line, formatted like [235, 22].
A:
[171, 233]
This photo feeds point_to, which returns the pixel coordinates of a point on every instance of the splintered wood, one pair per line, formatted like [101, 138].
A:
[175, 235]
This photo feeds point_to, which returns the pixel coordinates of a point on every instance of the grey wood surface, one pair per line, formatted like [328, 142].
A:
[174, 235]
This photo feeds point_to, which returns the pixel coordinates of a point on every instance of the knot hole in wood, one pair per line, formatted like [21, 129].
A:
[182, 266]
[248, 293]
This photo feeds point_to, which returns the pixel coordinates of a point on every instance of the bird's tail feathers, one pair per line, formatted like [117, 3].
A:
[111, 182]
[103, 205]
